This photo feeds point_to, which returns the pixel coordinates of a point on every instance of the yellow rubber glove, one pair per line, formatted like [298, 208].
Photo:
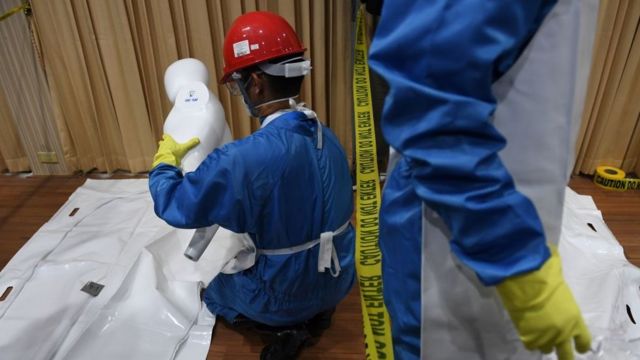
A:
[544, 311]
[170, 152]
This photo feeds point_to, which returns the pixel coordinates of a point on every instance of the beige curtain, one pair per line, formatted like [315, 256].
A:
[610, 133]
[105, 61]
[12, 155]
[26, 118]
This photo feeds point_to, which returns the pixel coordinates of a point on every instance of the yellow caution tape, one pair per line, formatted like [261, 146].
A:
[24, 7]
[612, 178]
[377, 329]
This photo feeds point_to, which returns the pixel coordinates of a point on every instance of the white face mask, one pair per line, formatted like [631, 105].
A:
[250, 108]
[237, 87]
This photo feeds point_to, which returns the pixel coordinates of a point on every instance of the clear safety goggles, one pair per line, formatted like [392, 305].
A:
[294, 67]
[237, 85]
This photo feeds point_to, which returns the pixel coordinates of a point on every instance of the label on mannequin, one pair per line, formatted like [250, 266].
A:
[193, 97]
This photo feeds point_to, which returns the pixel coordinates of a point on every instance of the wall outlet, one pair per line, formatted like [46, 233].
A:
[47, 157]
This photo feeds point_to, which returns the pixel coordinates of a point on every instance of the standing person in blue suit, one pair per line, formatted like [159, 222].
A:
[287, 186]
[484, 98]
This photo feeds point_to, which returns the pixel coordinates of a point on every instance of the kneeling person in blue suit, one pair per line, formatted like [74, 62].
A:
[287, 186]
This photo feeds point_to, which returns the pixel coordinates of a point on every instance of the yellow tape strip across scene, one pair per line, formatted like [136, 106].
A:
[368, 258]
[25, 6]
[612, 178]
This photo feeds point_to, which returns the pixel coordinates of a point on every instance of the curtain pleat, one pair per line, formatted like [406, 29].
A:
[12, 155]
[26, 116]
[610, 134]
[319, 60]
[102, 103]
[76, 81]
[632, 157]
[340, 108]
[105, 63]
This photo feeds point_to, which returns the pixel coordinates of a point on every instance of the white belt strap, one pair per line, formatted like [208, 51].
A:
[327, 255]
[310, 115]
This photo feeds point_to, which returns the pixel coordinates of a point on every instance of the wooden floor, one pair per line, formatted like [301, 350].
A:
[27, 203]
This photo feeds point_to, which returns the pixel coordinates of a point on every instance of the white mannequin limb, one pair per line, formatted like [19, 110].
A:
[196, 113]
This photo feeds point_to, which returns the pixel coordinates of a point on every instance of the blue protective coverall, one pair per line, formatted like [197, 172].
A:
[456, 194]
[277, 186]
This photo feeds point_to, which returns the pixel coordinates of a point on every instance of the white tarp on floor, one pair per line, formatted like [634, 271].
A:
[605, 284]
[150, 307]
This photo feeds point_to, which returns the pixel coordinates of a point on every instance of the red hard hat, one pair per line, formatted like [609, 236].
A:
[256, 37]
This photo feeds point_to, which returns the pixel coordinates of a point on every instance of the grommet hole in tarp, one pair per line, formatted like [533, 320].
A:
[630, 314]
[592, 227]
[74, 211]
[6, 293]
[92, 288]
